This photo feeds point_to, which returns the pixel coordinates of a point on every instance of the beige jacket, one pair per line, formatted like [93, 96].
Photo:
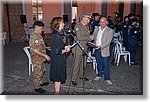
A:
[105, 41]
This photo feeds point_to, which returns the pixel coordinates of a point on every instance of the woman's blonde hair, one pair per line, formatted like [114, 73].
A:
[55, 23]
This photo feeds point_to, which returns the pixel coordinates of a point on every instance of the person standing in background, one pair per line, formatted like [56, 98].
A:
[132, 40]
[94, 22]
[125, 27]
[110, 22]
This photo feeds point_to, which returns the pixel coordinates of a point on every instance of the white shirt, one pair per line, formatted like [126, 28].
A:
[99, 36]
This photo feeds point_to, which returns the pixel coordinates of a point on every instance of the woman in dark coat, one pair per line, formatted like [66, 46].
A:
[58, 50]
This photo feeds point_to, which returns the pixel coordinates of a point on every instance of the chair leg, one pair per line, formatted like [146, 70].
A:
[116, 56]
[4, 42]
[113, 51]
[96, 68]
[93, 65]
[29, 69]
[129, 60]
[125, 58]
[32, 67]
[118, 59]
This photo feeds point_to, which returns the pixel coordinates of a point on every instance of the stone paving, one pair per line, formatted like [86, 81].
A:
[127, 80]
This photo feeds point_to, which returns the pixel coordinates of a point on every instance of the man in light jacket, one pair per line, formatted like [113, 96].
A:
[102, 38]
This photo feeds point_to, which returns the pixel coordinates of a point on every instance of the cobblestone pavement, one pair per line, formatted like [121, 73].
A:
[127, 80]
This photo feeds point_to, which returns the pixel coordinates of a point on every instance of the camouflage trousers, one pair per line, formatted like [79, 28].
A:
[38, 73]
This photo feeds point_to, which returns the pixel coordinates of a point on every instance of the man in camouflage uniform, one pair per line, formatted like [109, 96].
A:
[38, 55]
[83, 36]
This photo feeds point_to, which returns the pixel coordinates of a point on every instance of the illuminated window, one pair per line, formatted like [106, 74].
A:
[74, 13]
[74, 10]
[37, 10]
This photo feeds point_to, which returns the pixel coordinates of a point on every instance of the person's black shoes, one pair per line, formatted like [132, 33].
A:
[44, 84]
[40, 90]
[74, 83]
[85, 79]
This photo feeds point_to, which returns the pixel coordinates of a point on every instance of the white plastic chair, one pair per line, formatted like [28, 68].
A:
[30, 68]
[121, 51]
[115, 37]
[114, 50]
[93, 60]
[3, 37]
[118, 37]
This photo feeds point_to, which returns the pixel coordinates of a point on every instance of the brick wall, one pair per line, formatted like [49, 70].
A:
[139, 8]
[17, 31]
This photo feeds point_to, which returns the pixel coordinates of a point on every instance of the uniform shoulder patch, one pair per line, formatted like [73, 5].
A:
[36, 41]
[77, 29]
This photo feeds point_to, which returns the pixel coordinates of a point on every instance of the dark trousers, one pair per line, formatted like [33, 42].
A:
[125, 39]
[102, 65]
[132, 47]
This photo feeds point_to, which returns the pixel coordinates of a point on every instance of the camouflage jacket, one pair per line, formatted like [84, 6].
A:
[36, 42]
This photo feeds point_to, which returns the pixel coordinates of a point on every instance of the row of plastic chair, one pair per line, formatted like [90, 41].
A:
[118, 36]
[119, 50]
[92, 59]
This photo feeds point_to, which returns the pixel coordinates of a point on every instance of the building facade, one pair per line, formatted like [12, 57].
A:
[18, 17]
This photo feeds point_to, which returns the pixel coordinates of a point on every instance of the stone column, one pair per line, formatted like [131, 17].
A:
[1, 57]
[139, 8]
[133, 7]
[62, 7]
[127, 7]
[104, 9]
[68, 11]
[121, 9]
